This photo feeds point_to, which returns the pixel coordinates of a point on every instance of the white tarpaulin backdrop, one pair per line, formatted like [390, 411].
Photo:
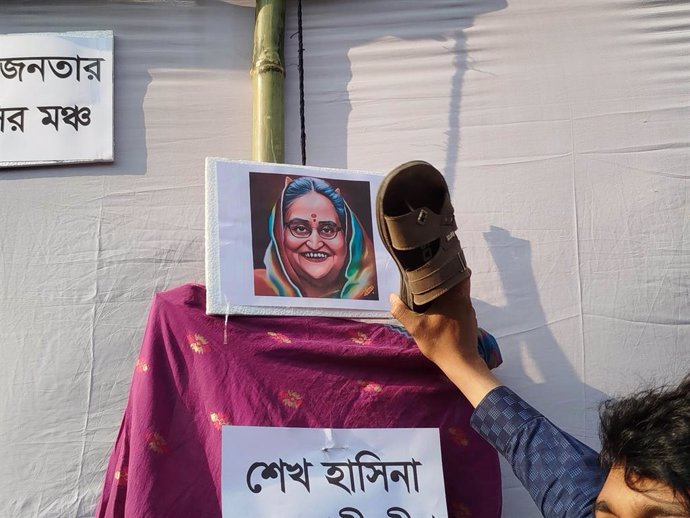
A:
[563, 127]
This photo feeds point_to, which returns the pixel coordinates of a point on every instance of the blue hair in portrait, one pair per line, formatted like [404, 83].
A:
[304, 185]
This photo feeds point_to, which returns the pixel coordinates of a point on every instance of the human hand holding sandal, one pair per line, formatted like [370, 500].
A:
[446, 333]
[417, 225]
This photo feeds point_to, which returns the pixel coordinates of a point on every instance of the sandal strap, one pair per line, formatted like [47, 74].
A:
[420, 226]
[442, 268]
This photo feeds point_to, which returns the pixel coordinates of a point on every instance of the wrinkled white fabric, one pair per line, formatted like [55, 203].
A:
[563, 127]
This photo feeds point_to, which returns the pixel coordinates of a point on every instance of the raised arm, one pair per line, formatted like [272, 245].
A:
[561, 474]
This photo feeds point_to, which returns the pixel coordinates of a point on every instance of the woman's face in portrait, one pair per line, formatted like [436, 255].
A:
[314, 241]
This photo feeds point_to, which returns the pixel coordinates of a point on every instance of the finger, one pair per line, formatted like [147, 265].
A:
[399, 310]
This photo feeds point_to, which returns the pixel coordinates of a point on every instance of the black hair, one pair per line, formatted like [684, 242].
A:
[648, 435]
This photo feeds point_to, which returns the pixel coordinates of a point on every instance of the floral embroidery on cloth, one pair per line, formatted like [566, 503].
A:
[290, 398]
[369, 387]
[157, 443]
[219, 420]
[121, 477]
[167, 456]
[360, 338]
[458, 436]
[279, 337]
[197, 343]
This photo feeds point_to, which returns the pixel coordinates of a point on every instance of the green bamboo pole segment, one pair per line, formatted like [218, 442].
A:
[268, 75]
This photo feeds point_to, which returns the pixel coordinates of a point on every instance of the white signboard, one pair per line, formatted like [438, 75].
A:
[56, 98]
[285, 239]
[323, 473]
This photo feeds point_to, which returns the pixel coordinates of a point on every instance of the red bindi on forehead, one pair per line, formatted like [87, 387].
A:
[312, 207]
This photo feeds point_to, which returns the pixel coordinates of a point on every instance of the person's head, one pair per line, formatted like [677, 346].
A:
[315, 227]
[646, 450]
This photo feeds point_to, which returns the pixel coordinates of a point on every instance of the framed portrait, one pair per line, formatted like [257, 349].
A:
[294, 240]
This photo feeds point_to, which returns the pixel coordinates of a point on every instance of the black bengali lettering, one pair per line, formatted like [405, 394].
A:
[76, 116]
[277, 470]
[63, 67]
[298, 472]
[16, 120]
[403, 474]
[335, 475]
[51, 115]
[12, 118]
[350, 512]
[93, 68]
[11, 68]
[36, 65]
[269, 471]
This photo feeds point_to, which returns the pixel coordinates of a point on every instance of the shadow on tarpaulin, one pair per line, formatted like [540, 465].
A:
[408, 20]
[530, 338]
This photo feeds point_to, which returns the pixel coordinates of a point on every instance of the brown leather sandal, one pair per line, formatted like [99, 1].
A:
[416, 222]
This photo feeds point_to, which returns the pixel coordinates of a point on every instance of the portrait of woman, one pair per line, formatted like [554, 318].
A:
[317, 246]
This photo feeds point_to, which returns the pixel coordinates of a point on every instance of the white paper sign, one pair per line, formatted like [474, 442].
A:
[56, 98]
[324, 473]
[285, 239]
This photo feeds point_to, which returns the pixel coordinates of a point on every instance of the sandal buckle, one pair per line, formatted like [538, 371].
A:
[421, 218]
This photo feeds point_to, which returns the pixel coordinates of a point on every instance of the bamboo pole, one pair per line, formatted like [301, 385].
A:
[268, 75]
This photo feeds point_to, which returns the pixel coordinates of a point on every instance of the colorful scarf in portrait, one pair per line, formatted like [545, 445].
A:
[359, 272]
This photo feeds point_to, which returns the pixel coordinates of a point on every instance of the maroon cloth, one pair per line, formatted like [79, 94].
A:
[303, 372]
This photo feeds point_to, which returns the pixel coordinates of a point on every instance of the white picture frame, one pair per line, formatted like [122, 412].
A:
[255, 264]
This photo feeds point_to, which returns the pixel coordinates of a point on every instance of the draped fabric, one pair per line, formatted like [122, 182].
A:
[196, 374]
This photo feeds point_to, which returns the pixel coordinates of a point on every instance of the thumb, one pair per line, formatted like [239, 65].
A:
[400, 311]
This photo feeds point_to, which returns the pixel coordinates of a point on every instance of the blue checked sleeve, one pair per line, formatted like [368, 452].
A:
[561, 474]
